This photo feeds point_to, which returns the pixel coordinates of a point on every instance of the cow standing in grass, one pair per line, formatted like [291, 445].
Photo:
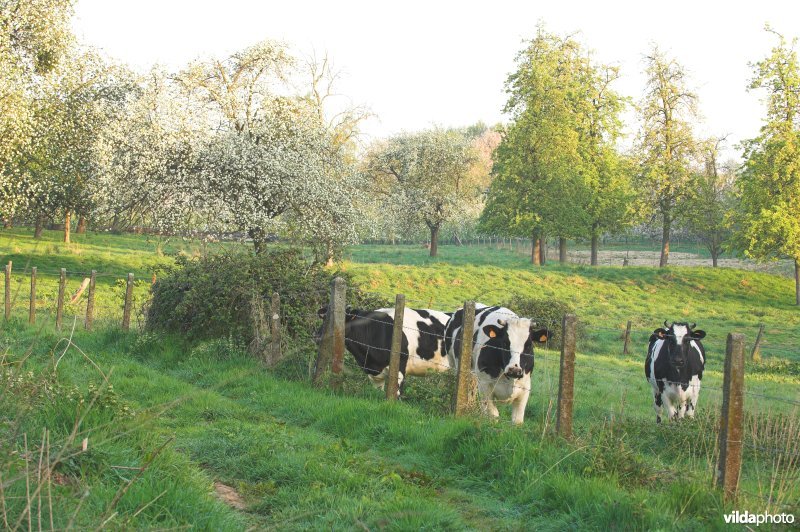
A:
[674, 368]
[502, 356]
[368, 337]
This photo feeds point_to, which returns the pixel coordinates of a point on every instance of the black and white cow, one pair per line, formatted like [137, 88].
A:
[368, 337]
[502, 355]
[674, 368]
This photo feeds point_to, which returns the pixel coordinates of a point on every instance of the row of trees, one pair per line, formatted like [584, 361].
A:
[559, 171]
[250, 144]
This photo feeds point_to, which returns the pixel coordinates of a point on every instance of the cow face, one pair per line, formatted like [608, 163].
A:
[508, 349]
[678, 341]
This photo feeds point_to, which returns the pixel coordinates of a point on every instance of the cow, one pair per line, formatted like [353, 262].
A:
[502, 356]
[368, 337]
[674, 368]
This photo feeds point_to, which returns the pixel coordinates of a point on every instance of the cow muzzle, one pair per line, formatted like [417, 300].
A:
[514, 372]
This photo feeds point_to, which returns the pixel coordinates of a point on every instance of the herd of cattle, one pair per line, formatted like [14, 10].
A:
[502, 356]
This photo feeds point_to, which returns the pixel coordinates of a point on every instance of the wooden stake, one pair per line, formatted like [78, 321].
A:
[566, 377]
[90, 302]
[126, 313]
[32, 310]
[731, 421]
[62, 284]
[755, 354]
[626, 345]
[392, 386]
[464, 396]
[8, 291]
[275, 330]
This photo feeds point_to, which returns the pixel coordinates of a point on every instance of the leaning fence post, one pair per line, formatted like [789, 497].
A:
[275, 329]
[392, 386]
[755, 354]
[126, 313]
[331, 347]
[32, 311]
[627, 343]
[731, 421]
[463, 398]
[62, 283]
[566, 376]
[8, 291]
[90, 303]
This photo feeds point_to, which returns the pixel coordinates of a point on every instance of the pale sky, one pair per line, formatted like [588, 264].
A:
[421, 63]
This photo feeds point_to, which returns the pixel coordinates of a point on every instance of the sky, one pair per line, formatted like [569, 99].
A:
[416, 64]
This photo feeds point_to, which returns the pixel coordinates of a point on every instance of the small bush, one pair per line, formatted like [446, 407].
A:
[213, 297]
[544, 312]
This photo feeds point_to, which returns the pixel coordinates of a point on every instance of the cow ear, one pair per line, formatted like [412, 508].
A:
[540, 335]
[698, 334]
[661, 333]
[491, 331]
[322, 312]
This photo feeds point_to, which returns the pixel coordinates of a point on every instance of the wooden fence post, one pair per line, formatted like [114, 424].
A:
[627, 343]
[731, 422]
[566, 376]
[331, 347]
[8, 291]
[90, 303]
[392, 386]
[275, 329]
[32, 310]
[464, 396]
[755, 354]
[62, 284]
[126, 313]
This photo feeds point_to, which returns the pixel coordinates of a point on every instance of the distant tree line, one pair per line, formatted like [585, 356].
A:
[255, 144]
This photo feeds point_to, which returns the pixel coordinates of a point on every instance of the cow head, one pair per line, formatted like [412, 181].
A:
[677, 341]
[350, 314]
[509, 347]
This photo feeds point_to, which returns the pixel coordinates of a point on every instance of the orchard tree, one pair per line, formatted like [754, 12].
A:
[425, 177]
[33, 37]
[147, 168]
[666, 143]
[74, 102]
[769, 186]
[707, 215]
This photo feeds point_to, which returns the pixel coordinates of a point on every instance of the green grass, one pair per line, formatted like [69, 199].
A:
[305, 458]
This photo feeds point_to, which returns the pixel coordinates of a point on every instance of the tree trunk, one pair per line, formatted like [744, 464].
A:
[595, 245]
[536, 255]
[562, 250]
[67, 227]
[81, 224]
[542, 251]
[797, 281]
[665, 240]
[434, 239]
[39, 227]
[8, 223]
[259, 240]
[329, 255]
[714, 257]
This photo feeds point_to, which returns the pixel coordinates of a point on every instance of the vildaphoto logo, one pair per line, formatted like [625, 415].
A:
[746, 518]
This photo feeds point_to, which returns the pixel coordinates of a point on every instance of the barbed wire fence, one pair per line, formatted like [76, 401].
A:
[71, 296]
[735, 430]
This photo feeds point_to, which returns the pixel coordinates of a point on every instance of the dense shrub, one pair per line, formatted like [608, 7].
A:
[544, 312]
[213, 296]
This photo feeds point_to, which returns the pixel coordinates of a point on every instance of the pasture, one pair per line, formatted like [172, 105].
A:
[282, 454]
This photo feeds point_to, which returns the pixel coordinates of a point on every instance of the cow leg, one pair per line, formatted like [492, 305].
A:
[489, 407]
[670, 410]
[518, 408]
[401, 380]
[682, 407]
[657, 402]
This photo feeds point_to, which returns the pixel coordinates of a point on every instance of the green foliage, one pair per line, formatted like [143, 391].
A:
[770, 183]
[213, 296]
[545, 312]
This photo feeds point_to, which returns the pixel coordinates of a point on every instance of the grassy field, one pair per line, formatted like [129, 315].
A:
[202, 435]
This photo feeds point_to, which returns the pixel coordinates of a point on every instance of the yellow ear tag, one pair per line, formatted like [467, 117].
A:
[543, 338]
[492, 334]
